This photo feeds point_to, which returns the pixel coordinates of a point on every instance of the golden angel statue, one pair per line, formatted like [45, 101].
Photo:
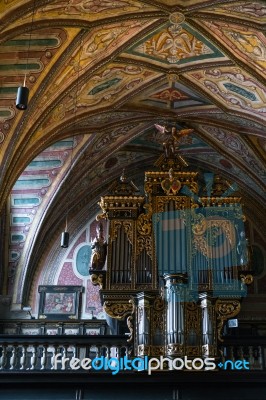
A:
[173, 136]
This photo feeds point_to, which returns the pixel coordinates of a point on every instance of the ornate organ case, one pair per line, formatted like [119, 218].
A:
[176, 270]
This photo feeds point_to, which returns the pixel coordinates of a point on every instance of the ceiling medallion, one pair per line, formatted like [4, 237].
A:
[176, 19]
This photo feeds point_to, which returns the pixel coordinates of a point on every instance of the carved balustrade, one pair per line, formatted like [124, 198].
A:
[38, 353]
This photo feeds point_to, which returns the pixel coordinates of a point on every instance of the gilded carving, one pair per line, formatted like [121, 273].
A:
[158, 314]
[144, 242]
[192, 318]
[246, 279]
[158, 304]
[144, 224]
[156, 351]
[225, 309]
[130, 321]
[121, 286]
[143, 350]
[128, 230]
[158, 321]
[148, 188]
[117, 310]
[208, 350]
[173, 349]
[180, 202]
[171, 185]
[130, 325]
[117, 225]
[215, 227]
[104, 213]
[97, 280]
[192, 350]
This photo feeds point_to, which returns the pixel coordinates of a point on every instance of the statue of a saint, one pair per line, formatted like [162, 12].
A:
[170, 145]
[99, 250]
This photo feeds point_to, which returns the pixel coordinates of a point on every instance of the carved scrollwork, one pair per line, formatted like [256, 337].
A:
[129, 231]
[174, 349]
[148, 188]
[194, 187]
[117, 310]
[127, 225]
[158, 304]
[192, 350]
[144, 242]
[140, 244]
[247, 279]
[192, 318]
[225, 309]
[130, 326]
[180, 202]
[158, 314]
[130, 321]
[143, 350]
[156, 351]
[116, 225]
[144, 224]
[104, 214]
[97, 280]
[217, 226]
[157, 321]
[120, 286]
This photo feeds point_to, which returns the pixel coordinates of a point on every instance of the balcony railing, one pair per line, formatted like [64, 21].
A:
[48, 353]
[34, 345]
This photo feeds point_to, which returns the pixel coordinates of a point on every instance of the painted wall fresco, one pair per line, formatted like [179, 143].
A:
[238, 147]
[254, 9]
[234, 89]
[246, 43]
[175, 44]
[174, 95]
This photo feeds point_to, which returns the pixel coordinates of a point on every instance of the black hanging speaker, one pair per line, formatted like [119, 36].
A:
[64, 239]
[22, 98]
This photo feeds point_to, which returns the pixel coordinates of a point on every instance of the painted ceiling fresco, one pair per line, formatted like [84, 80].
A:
[100, 75]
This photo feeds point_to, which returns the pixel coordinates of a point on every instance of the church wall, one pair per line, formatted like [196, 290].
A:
[71, 267]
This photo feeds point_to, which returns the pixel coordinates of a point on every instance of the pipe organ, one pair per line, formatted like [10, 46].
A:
[177, 264]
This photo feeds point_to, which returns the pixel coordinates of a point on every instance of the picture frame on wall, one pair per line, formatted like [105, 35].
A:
[59, 302]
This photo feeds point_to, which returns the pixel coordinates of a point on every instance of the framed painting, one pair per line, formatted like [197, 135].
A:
[59, 302]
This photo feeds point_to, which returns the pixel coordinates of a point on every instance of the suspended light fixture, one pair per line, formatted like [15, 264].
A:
[23, 91]
[65, 234]
[22, 96]
[65, 237]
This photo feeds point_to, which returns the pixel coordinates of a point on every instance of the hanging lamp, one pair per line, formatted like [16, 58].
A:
[23, 91]
[65, 235]
[22, 96]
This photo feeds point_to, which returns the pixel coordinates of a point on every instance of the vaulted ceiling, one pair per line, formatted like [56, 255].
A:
[100, 75]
